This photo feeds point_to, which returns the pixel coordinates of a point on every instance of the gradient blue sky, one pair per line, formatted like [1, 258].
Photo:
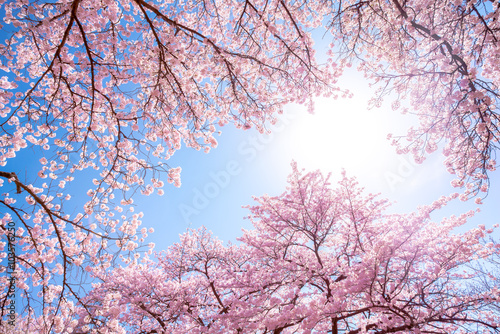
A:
[342, 134]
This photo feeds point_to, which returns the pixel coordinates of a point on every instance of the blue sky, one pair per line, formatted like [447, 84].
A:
[342, 134]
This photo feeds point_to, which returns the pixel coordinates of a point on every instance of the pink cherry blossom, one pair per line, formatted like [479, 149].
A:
[320, 259]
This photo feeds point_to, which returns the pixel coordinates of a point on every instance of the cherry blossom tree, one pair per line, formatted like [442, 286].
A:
[319, 260]
[437, 60]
